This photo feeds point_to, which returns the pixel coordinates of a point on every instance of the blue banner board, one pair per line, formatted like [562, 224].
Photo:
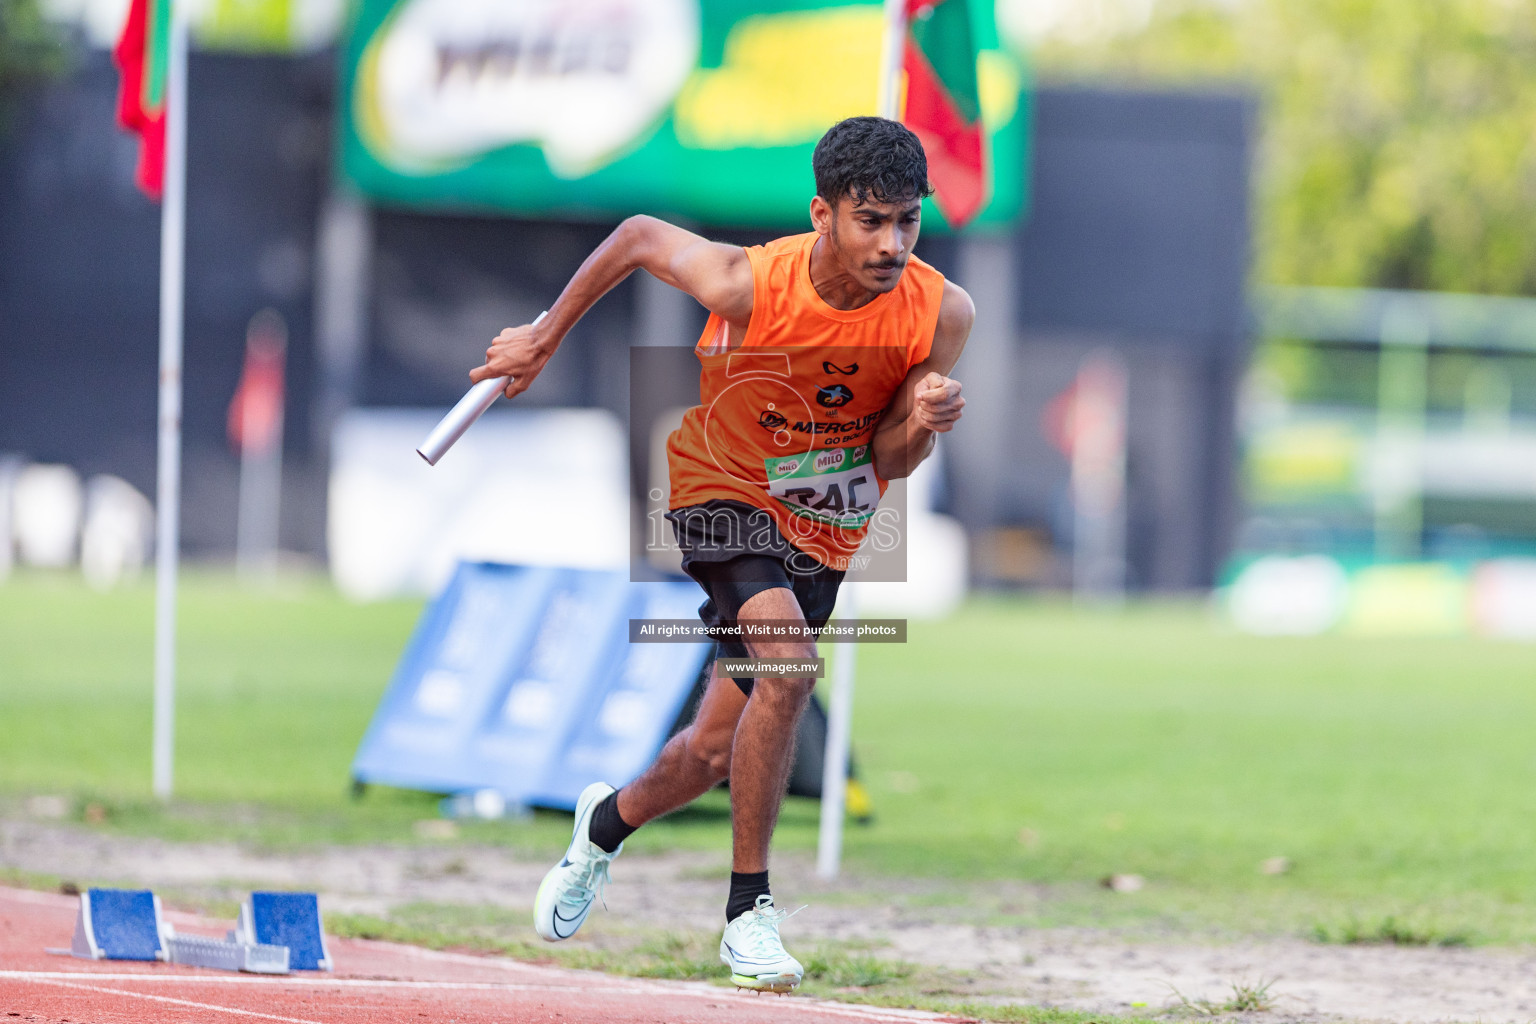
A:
[522, 680]
[625, 722]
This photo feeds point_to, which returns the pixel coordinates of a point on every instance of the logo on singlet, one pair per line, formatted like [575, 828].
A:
[772, 421]
[834, 396]
[832, 369]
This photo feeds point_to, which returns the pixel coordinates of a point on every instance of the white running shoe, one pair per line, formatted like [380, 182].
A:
[569, 889]
[751, 948]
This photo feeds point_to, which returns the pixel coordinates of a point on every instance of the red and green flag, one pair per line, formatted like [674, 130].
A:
[142, 56]
[943, 104]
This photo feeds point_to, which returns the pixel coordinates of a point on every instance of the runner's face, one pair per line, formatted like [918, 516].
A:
[873, 241]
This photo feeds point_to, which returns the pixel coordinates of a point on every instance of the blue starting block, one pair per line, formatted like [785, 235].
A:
[290, 919]
[119, 924]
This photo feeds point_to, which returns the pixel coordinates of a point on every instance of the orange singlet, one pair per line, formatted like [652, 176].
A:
[787, 416]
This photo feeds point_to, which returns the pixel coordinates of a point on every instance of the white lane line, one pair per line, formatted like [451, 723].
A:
[697, 989]
[619, 987]
[270, 981]
[174, 1002]
[627, 986]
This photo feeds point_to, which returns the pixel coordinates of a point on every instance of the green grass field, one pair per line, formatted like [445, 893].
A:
[1022, 741]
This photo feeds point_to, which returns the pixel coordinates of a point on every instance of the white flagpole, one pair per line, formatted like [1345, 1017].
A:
[834, 763]
[890, 58]
[173, 206]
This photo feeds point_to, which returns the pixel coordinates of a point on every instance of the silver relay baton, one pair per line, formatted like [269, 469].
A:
[463, 415]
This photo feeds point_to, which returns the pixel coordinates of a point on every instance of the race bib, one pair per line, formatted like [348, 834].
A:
[834, 485]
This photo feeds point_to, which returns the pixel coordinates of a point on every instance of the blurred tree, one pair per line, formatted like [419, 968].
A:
[29, 46]
[1399, 136]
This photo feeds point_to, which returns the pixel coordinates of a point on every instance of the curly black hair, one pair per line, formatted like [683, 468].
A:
[870, 158]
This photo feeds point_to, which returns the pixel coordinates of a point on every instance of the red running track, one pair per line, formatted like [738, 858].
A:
[374, 982]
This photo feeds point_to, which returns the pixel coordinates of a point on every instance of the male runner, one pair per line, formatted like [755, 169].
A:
[825, 362]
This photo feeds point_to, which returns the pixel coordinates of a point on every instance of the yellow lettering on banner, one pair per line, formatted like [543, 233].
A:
[998, 82]
[784, 79]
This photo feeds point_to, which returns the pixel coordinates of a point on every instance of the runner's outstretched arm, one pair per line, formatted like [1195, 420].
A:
[719, 276]
[928, 401]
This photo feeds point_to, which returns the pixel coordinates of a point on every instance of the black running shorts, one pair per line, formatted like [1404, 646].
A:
[735, 551]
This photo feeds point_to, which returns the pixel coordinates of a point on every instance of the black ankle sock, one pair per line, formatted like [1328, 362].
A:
[608, 830]
[746, 887]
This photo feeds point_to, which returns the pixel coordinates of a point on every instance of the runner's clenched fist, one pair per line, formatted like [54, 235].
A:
[938, 402]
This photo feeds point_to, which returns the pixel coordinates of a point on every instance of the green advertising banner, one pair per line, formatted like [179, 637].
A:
[595, 109]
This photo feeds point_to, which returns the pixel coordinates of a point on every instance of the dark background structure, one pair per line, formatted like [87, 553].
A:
[1137, 240]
